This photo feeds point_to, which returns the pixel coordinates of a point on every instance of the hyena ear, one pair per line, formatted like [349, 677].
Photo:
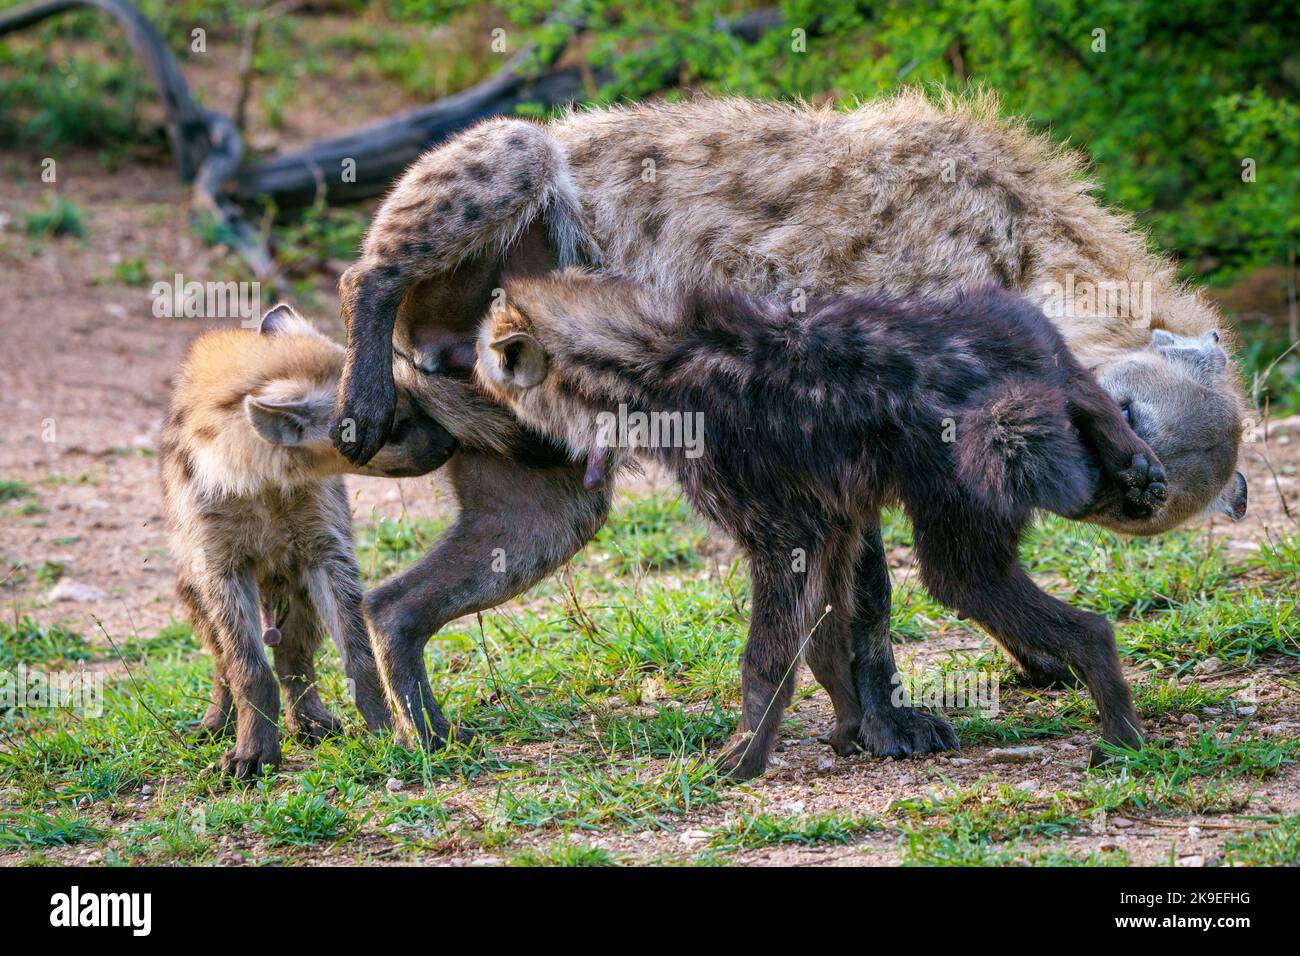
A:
[288, 422]
[521, 358]
[1204, 356]
[279, 319]
[1232, 500]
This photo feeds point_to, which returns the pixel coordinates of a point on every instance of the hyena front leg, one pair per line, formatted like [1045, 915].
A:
[335, 590]
[468, 197]
[231, 605]
[890, 728]
[1126, 459]
[516, 525]
[306, 715]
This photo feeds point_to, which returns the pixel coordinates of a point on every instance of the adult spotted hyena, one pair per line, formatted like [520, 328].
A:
[901, 196]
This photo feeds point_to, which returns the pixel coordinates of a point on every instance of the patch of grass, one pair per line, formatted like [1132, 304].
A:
[1117, 577]
[669, 732]
[564, 853]
[390, 544]
[32, 643]
[47, 573]
[44, 830]
[11, 490]
[1280, 559]
[173, 638]
[652, 532]
[320, 235]
[587, 795]
[300, 818]
[59, 216]
[1236, 628]
[1277, 845]
[132, 272]
[1210, 754]
[750, 832]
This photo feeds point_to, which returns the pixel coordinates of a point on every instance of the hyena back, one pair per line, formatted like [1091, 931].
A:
[970, 412]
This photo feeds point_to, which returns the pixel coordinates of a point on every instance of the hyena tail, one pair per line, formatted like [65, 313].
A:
[1016, 450]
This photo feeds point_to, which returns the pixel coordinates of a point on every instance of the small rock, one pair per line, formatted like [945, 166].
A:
[794, 807]
[68, 590]
[146, 790]
[393, 785]
[1109, 846]
[1194, 860]
[961, 761]
[694, 836]
[906, 780]
[1211, 665]
[1122, 822]
[1247, 710]
[1029, 785]
[1193, 833]
[1015, 754]
[1212, 711]
[1187, 720]
[826, 763]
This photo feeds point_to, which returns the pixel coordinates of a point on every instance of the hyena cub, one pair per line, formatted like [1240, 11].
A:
[262, 531]
[971, 412]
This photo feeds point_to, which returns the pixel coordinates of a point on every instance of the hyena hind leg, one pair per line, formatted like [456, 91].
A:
[829, 653]
[231, 604]
[301, 635]
[889, 727]
[218, 721]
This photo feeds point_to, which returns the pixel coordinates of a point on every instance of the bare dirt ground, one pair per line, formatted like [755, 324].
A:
[84, 378]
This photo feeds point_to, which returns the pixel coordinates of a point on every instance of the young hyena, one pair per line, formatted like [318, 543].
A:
[971, 412]
[261, 528]
[901, 196]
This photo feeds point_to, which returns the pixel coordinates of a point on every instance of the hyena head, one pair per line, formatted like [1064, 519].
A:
[1177, 395]
[293, 402]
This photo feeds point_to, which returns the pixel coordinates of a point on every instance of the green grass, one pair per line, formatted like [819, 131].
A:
[33, 644]
[599, 700]
[1275, 845]
[750, 832]
[57, 216]
[30, 830]
[11, 490]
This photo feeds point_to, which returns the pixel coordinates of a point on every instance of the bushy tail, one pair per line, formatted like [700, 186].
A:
[1017, 450]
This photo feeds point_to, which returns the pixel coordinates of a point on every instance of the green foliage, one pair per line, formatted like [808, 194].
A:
[30, 643]
[57, 216]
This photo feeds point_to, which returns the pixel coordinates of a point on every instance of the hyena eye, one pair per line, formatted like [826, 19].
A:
[1127, 409]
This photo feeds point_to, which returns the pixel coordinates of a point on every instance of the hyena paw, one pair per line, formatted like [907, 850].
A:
[248, 761]
[364, 419]
[313, 726]
[903, 732]
[741, 759]
[843, 739]
[1144, 484]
